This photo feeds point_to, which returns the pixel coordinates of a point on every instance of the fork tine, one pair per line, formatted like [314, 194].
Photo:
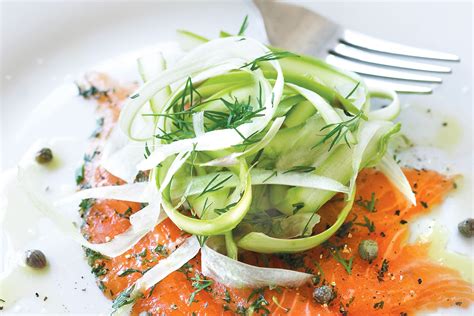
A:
[400, 88]
[371, 43]
[378, 72]
[352, 53]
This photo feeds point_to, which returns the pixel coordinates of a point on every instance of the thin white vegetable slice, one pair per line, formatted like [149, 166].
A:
[367, 131]
[134, 192]
[396, 176]
[151, 66]
[198, 123]
[236, 274]
[120, 155]
[327, 112]
[185, 252]
[175, 166]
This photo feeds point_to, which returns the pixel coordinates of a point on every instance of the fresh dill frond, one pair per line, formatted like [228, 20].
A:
[274, 173]
[201, 239]
[244, 26]
[211, 187]
[268, 57]
[339, 131]
[238, 113]
[300, 169]
[346, 263]
[369, 205]
[199, 283]
[307, 224]
[367, 223]
[220, 211]
[353, 90]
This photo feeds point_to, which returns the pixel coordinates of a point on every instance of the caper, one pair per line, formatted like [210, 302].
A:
[44, 155]
[324, 294]
[466, 227]
[368, 249]
[36, 259]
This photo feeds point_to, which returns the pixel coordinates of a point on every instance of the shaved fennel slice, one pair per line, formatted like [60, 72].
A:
[175, 166]
[185, 252]
[327, 112]
[188, 250]
[394, 173]
[151, 66]
[232, 159]
[141, 222]
[120, 155]
[236, 274]
[366, 132]
[198, 123]
[134, 192]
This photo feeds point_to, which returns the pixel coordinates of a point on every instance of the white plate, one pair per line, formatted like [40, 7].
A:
[57, 41]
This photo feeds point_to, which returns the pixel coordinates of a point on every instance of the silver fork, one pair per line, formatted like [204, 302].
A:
[306, 32]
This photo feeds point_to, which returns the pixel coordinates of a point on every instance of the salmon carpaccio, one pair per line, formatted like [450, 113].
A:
[403, 278]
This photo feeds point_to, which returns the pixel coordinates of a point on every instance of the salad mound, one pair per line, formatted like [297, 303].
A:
[245, 143]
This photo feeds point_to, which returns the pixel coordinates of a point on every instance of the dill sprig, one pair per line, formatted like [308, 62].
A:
[274, 174]
[244, 26]
[267, 57]
[125, 298]
[367, 223]
[339, 131]
[300, 169]
[129, 271]
[260, 301]
[353, 90]
[199, 284]
[201, 239]
[252, 139]
[220, 211]
[307, 224]
[369, 205]
[238, 113]
[346, 263]
[210, 187]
